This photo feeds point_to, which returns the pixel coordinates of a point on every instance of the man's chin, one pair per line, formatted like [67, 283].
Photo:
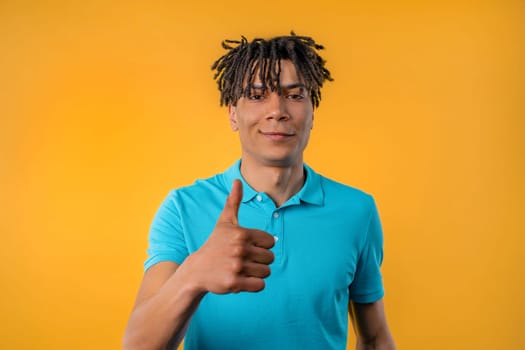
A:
[282, 162]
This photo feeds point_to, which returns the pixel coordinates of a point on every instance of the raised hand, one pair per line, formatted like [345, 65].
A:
[234, 258]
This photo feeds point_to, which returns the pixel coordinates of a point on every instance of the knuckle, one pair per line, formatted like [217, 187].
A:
[235, 286]
[240, 235]
[230, 281]
[236, 266]
[238, 251]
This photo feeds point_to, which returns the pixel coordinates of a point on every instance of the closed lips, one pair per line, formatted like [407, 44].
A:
[277, 133]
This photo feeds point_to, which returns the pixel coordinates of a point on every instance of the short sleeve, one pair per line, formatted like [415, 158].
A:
[166, 238]
[367, 286]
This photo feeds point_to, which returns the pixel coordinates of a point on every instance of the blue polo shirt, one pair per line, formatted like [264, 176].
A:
[329, 251]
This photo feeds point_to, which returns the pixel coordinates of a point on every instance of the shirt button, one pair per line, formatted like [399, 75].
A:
[259, 197]
[275, 238]
[276, 215]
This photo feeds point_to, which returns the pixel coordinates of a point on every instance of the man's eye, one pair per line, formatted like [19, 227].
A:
[295, 96]
[256, 97]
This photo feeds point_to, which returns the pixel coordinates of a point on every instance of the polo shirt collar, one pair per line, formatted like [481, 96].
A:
[311, 192]
[234, 172]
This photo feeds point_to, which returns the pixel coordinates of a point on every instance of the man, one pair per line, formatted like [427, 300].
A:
[269, 254]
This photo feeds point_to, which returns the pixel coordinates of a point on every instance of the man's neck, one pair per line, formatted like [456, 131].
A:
[279, 183]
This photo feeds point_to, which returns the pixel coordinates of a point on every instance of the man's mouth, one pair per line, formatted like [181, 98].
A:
[277, 135]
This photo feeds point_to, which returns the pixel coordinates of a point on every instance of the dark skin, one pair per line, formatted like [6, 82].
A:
[274, 131]
[370, 326]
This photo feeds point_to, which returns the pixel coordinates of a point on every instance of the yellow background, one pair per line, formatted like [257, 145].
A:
[107, 105]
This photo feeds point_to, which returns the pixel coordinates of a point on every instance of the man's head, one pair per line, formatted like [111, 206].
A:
[261, 59]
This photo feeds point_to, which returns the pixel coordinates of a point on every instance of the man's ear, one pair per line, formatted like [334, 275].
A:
[232, 112]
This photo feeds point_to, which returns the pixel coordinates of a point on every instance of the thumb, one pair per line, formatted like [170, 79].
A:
[231, 208]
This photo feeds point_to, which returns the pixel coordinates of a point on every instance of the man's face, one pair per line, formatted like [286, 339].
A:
[274, 129]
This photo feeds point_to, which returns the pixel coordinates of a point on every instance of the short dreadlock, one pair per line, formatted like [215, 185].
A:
[238, 67]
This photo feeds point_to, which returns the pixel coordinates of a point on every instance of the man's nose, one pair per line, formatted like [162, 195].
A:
[277, 107]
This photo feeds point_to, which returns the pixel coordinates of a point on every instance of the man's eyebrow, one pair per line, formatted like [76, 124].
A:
[293, 86]
[287, 87]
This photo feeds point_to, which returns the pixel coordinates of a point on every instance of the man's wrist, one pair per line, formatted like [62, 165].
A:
[188, 280]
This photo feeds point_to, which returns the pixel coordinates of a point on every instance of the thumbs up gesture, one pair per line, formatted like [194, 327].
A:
[234, 258]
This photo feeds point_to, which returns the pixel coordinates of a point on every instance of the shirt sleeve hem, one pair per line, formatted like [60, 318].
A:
[368, 298]
[162, 257]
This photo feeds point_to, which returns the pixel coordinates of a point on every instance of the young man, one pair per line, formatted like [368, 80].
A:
[269, 254]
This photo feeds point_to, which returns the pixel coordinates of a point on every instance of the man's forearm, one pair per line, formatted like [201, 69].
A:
[383, 342]
[163, 318]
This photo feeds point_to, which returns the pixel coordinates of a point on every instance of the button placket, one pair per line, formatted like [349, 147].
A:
[277, 225]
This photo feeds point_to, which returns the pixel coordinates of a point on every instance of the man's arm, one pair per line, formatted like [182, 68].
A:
[233, 259]
[165, 302]
[370, 326]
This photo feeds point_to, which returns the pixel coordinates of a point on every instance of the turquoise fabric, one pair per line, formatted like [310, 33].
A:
[329, 251]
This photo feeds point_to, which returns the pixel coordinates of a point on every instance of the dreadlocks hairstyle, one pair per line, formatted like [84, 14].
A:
[237, 69]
